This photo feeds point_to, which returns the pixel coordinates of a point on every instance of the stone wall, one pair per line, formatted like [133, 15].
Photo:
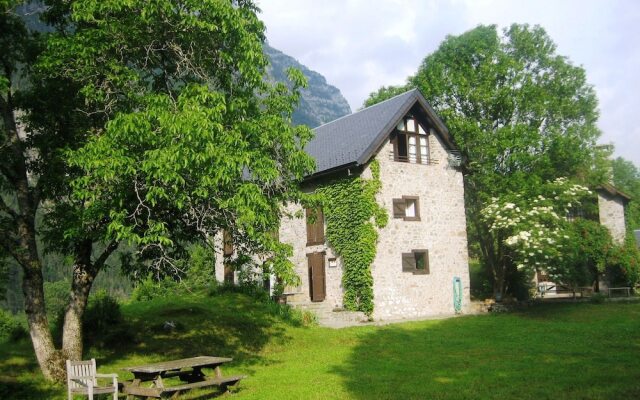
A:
[441, 230]
[611, 211]
[293, 230]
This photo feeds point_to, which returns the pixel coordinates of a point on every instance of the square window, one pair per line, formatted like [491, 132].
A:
[406, 208]
[416, 262]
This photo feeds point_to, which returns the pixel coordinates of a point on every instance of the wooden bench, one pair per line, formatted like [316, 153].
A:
[188, 370]
[175, 391]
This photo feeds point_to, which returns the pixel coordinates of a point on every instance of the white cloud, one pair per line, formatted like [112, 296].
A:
[360, 45]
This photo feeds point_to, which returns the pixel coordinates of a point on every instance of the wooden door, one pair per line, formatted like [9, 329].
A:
[317, 286]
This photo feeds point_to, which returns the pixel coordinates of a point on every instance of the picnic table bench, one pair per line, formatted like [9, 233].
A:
[189, 370]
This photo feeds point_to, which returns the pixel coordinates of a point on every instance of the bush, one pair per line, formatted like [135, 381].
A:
[598, 298]
[624, 264]
[10, 328]
[201, 271]
[103, 324]
[149, 289]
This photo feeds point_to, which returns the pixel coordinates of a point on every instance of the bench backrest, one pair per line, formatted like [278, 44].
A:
[84, 369]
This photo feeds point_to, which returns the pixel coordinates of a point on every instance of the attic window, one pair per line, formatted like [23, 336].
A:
[410, 142]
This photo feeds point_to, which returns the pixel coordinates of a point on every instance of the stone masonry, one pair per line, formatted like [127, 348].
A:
[611, 210]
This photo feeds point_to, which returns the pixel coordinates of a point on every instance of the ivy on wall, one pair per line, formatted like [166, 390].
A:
[352, 216]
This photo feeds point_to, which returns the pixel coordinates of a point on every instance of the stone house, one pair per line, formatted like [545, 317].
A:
[423, 248]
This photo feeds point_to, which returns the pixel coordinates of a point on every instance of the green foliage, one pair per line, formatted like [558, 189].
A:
[145, 123]
[598, 298]
[352, 215]
[623, 264]
[149, 289]
[626, 177]
[194, 141]
[10, 327]
[480, 283]
[201, 268]
[56, 295]
[384, 93]
[531, 225]
[102, 323]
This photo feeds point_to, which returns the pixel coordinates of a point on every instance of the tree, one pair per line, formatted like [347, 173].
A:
[147, 123]
[537, 236]
[520, 113]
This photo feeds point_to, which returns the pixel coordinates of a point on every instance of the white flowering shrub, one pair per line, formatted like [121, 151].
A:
[533, 228]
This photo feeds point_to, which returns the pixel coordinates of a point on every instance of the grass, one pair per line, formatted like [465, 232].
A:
[556, 351]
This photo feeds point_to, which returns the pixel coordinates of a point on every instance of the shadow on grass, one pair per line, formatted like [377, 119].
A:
[21, 378]
[572, 353]
[230, 325]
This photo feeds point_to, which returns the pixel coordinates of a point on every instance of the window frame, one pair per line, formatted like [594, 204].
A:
[413, 256]
[403, 201]
[404, 135]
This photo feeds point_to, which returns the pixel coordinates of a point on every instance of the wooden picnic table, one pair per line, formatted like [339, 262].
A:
[189, 370]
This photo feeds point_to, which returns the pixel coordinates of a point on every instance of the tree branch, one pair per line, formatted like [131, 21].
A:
[10, 247]
[111, 247]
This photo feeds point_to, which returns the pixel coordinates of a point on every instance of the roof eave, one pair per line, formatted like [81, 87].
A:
[330, 171]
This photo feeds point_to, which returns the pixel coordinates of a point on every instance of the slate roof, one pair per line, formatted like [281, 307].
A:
[352, 140]
[613, 191]
[637, 233]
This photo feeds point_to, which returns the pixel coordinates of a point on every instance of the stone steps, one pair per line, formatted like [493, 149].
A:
[331, 317]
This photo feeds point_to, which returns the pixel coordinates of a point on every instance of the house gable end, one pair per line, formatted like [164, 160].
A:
[420, 109]
[352, 141]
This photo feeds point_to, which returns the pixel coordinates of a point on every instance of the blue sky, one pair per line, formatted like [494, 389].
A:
[360, 45]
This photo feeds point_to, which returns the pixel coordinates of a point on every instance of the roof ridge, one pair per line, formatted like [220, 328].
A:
[366, 108]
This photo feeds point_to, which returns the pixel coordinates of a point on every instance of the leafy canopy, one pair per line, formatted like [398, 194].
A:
[186, 137]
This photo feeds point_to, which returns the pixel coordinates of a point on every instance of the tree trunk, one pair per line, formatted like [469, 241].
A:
[50, 360]
[83, 276]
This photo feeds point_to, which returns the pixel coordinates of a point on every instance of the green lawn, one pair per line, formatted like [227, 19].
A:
[560, 351]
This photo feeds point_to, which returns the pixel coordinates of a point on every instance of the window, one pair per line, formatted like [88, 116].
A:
[416, 262]
[315, 226]
[407, 208]
[410, 143]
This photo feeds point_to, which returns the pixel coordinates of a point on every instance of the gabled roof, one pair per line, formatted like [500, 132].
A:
[352, 140]
[613, 191]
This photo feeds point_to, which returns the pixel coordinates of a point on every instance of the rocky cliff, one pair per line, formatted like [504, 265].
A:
[320, 102]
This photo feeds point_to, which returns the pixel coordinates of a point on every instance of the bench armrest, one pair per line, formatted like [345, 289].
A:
[106, 375]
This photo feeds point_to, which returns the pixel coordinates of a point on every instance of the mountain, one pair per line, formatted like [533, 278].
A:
[320, 102]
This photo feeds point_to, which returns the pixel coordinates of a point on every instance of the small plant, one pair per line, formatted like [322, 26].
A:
[598, 298]
[149, 289]
[10, 328]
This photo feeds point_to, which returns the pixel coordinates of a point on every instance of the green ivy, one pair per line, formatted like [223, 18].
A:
[352, 215]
